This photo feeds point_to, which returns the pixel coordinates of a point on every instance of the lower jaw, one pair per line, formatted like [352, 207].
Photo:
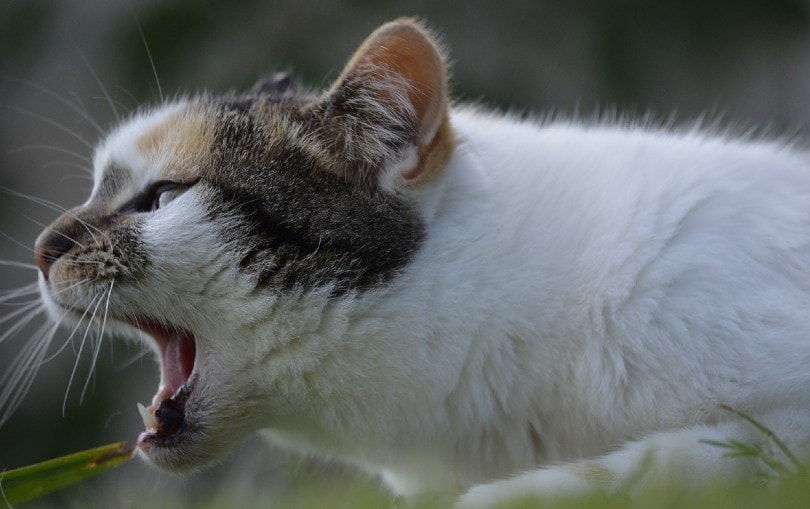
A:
[170, 419]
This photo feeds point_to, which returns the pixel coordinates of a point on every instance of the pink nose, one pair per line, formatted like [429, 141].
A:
[50, 249]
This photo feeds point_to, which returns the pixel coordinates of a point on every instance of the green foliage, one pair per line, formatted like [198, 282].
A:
[34, 481]
[779, 467]
[792, 493]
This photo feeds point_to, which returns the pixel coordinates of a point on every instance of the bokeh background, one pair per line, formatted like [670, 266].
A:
[744, 63]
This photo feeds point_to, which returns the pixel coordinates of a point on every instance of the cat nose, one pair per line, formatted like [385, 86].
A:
[50, 248]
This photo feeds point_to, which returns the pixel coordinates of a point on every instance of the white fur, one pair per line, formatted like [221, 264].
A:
[121, 148]
[580, 288]
[586, 298]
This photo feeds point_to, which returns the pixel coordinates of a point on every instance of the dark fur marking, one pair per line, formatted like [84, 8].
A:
[237, 104]
[278, 86]
[299, 224]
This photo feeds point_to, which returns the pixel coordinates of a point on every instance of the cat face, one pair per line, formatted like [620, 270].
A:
[220, 228]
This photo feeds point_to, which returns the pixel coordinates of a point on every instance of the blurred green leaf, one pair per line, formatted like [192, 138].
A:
[34, 481]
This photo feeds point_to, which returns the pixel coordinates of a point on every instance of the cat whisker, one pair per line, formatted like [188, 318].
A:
[32, 311]
[17, 242]
[35, 300]
[80, 261]
[11, 301]
[61, 234]
[19, 265]
[75, 284]
[51, 122]
[78, 107]
[101, 87]
[90, 228]
[87, 173]
[134, 358]
[151, 60]
[98, 341]
[90, 322]
[28, 289]
[69, 337]
[57, 208]
[39, 201]
[19, 311]
[8, 297]
[72, 258]
[16, 382]
[51, 148]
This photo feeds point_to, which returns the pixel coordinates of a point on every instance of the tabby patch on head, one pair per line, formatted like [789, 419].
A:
[207, 213]
[297, 223]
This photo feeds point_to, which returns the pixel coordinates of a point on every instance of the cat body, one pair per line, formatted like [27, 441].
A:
[446, 296]
[581, 320]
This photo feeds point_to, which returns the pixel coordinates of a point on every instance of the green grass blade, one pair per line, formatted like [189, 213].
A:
[770, 435]
[34, 481]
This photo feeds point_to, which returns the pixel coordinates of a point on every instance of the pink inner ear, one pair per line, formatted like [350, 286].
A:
[408, 53]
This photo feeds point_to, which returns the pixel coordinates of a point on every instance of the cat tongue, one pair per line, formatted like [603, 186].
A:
[178, 362]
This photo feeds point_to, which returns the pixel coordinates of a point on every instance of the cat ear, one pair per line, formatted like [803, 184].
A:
[388, 110]
[279, 85]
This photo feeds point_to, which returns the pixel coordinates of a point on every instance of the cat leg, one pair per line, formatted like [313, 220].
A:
[689, 457]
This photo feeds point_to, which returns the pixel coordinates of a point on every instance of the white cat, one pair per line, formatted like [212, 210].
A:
[461, 301]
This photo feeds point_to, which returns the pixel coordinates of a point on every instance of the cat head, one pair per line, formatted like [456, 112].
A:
[219, 228]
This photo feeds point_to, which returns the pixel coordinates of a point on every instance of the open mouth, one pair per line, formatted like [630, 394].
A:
[165, 418]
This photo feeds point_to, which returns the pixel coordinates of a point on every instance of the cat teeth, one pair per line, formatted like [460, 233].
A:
[149, 420]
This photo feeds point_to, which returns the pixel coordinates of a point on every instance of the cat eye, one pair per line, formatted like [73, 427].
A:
[156, 196]
[166, 193]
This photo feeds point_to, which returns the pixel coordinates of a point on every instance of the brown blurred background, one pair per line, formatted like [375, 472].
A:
[744, 61]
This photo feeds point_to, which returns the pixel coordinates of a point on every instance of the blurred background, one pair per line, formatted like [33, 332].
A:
[745, 62]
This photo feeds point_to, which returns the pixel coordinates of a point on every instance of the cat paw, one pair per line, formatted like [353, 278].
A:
[538, 484]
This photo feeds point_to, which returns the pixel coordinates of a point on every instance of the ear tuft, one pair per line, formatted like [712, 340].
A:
[390, 104]
[280, 84]
[405, 55]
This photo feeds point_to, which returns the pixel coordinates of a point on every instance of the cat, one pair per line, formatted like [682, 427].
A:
[457, 300]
